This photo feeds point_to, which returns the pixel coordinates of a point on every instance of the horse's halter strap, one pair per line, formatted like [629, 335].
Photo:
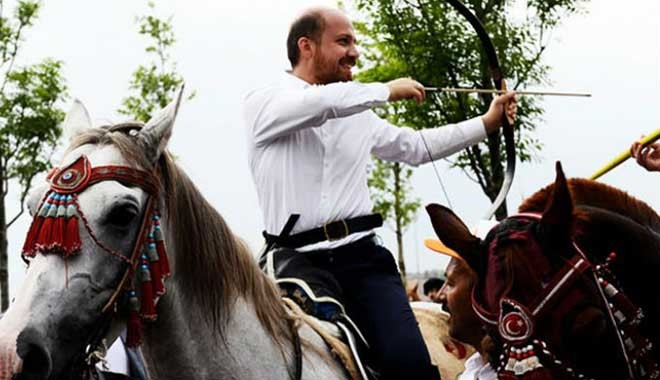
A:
[515, 322]
[55, 230]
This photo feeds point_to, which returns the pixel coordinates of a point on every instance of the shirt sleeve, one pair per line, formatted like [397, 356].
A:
[277, 111]
[403, 144]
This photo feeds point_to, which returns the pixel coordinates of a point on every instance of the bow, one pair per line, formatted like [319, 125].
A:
[500, 84]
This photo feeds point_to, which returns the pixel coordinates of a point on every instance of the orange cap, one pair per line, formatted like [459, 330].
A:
[440, 247]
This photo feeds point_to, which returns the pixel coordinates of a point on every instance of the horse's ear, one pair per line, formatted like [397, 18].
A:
[77, 121]
[557, 220]
[158, 130]
[455, 234]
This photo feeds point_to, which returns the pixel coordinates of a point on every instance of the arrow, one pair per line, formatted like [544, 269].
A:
[483, 91]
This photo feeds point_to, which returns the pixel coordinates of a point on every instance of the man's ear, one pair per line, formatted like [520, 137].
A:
[306, 47]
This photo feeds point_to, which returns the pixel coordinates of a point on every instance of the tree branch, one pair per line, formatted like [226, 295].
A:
[26, 189]
[473, 164]
[522, 78]
[14, 53]
[15, 218]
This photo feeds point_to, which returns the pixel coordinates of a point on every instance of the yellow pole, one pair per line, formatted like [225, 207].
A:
[655, 135]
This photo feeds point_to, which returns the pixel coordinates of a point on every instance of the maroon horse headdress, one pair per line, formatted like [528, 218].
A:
[545, 291]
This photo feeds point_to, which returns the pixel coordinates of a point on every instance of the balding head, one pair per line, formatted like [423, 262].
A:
[310, 24]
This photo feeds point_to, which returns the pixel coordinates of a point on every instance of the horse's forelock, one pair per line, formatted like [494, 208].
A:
[117, 135]
[214, 266]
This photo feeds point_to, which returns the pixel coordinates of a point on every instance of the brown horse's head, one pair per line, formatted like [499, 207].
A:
[546, 284]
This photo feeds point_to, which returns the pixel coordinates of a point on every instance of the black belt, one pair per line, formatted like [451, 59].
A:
[336, 230]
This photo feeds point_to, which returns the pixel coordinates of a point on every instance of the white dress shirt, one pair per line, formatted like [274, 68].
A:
[477, 369]
[309, 147]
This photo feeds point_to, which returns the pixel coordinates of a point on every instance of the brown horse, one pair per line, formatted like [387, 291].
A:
[566, 288]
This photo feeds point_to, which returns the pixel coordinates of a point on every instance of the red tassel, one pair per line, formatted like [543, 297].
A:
[29, 247]
[160, 248]
[134, 324]
[162, 258]
[156, 278]
[154, 268]
[45, 232]
[147, 310]
[57, 235]
[72, 242]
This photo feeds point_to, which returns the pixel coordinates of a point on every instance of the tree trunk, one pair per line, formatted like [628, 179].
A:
[397, 217]
[4, 275]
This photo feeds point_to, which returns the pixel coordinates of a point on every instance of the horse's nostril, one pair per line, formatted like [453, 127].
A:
[36, 359]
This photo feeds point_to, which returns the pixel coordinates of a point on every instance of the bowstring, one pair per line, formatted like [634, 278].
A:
[435, 169]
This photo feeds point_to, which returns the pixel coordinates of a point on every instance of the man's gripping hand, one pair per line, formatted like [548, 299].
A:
[405, 88]
[493, 117]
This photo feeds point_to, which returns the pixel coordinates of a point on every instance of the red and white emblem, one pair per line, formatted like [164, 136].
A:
[514, 325]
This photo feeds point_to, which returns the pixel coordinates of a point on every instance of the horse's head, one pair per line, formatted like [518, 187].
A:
[549, 310]
[93, 219]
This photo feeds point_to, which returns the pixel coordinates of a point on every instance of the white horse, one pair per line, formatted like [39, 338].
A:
[221, 317]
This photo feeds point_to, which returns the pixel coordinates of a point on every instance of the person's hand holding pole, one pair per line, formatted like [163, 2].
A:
[647, 156]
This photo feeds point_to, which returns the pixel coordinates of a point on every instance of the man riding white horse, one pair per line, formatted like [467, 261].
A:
[310, 139]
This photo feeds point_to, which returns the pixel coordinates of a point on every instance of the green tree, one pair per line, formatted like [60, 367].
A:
[153, 85]
[430, 41]
[29, 119]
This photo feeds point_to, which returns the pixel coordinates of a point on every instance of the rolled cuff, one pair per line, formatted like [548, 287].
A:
[450, 139]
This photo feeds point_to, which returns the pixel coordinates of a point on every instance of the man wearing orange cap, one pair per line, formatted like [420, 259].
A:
[464, 325]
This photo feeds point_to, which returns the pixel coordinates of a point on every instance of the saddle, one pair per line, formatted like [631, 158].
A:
[314, 296]
[320, 300]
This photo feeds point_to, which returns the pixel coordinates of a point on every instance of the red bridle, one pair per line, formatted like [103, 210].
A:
[54, 230]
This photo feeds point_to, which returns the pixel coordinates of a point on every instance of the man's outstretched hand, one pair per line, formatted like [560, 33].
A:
[406, 88]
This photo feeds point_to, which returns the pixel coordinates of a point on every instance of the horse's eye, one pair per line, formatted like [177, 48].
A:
[122, 215]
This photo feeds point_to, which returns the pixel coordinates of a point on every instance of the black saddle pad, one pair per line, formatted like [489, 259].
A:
[315, 290]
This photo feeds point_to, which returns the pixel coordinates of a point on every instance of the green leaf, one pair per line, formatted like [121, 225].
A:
[154, 85]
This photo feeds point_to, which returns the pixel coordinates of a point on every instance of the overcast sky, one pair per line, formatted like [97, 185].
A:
[225, 48]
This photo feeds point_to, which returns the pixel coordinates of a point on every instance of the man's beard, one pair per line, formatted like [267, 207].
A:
[330, 71]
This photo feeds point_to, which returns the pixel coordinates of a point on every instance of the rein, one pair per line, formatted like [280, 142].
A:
[515, 322]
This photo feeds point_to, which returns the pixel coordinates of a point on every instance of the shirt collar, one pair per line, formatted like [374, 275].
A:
[293, 80]
[474, 362]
